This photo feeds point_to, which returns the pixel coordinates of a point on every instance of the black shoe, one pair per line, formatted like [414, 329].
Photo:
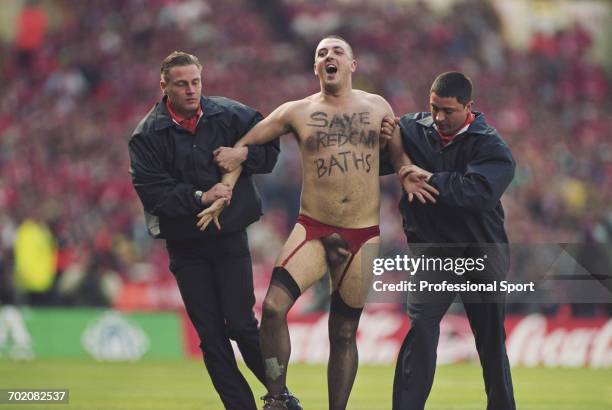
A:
[284, 401]
[275, 402]
[292, 402]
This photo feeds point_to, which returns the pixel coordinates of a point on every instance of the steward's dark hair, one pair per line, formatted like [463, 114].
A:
[453, 84]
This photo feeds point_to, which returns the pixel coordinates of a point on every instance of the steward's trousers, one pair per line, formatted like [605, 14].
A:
[215, 279]
[416, 363]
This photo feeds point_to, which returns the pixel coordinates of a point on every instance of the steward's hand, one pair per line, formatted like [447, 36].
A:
[414, 180]
[228, 159]
[387, 127]
[218, 191]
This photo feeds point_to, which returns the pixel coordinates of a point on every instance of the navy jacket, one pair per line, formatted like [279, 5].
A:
[471, 173]
[168, 164]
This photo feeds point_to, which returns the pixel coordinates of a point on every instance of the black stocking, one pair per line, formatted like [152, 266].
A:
[343, 358]
[274, 337]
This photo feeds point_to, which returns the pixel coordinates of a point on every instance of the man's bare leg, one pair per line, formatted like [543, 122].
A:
[346, 306]
[306, 266]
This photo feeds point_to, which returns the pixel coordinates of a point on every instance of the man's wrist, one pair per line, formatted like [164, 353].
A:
[200, 197]
[244, 153]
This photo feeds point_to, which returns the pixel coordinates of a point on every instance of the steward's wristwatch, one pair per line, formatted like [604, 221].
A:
[198, 195]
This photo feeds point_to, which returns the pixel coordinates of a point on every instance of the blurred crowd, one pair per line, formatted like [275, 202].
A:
[78, 76]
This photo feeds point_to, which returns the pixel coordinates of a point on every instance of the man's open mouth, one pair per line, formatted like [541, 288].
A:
[331, 69]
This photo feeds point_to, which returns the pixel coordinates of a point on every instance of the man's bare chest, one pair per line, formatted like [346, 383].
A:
[340, 141]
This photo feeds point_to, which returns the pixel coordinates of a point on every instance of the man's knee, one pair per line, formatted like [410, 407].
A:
[344, 321]
[343, 333]
[425, 317]
[282, 294]
[213, 340]
[424, 332]
[274, 309]
[241, 329]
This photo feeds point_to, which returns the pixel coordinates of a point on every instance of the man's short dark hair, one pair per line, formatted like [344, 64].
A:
[453, 84]
[178, 58]
[336, 37]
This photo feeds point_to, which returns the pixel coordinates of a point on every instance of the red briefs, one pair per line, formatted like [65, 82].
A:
[354, 237]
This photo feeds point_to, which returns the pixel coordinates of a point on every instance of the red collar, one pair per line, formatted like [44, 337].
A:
[447, 139]
[189, 124]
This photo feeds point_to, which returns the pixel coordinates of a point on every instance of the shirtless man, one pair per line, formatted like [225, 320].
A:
[338, 131]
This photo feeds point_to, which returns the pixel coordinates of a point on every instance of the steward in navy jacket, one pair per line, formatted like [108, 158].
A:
[471, 174]
[169, 164]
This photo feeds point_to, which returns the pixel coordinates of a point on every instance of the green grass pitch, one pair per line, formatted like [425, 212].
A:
[184, 384]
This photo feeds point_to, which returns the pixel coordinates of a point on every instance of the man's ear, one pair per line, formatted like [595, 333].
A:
[469, 105]
[353, 66]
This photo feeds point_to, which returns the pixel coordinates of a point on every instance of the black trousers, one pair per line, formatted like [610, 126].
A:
[215, 279]
[416, 363]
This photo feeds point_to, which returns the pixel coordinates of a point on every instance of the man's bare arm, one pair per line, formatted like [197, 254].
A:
[390, 133]
[413, 182]
[397, 155]
[274, 125]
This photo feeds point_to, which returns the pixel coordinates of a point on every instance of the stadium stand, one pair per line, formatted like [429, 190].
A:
[77, 76]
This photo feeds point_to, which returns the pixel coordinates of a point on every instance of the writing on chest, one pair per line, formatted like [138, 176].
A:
[351, 129]
[341, 143]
